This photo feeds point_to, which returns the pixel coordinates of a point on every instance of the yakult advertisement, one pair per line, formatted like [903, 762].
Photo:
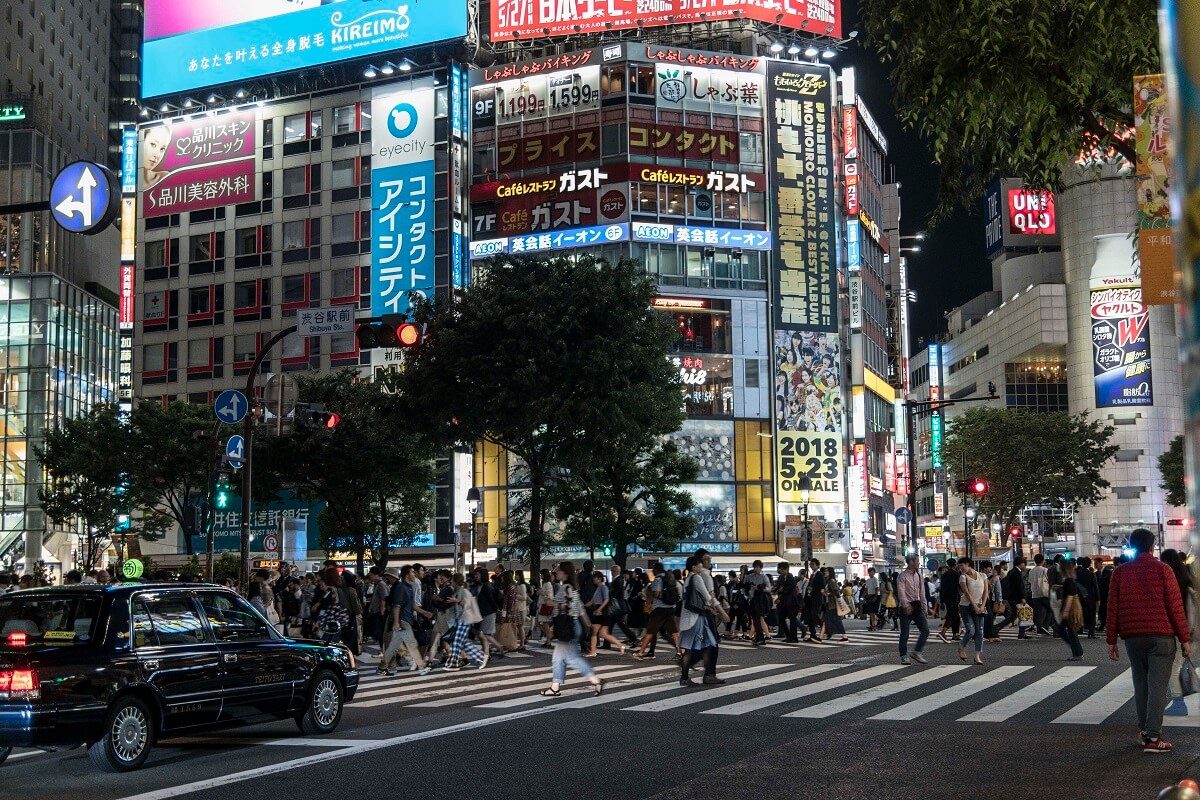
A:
[1120, 326]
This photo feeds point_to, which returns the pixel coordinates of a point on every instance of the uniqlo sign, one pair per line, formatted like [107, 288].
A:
[528, 19]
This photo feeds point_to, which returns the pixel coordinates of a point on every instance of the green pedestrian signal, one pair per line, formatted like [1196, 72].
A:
[223, 492]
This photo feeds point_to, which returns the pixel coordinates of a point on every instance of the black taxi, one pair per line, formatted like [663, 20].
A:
[116, 668]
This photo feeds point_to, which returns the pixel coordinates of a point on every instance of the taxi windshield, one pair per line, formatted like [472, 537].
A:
[61, 619]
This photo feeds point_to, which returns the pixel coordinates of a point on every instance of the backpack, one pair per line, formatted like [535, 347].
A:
[670, 591]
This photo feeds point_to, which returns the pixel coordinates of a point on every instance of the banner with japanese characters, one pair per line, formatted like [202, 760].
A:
[402, 197]
[1120, 326]
[198, 163]
[1152, 126]
[809, 413]
[800, 161]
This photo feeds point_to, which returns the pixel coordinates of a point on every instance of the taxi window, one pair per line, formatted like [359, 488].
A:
[173, 620]
[232, 619]
[59, 619]
[143, 630]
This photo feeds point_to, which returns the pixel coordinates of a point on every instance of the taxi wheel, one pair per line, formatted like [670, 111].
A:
[127, 737]
[324, 710]
[4, 753]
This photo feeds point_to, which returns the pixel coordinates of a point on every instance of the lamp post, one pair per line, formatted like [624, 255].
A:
[805, 497]
[473, 500]
[969, 514]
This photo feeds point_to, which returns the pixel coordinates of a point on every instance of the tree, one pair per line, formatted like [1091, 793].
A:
[546, 356]
[374, 470]
[85, 459]
[622, 497]
[1011, 450]
[1011, 88]
[175, 453]
[1170, 464]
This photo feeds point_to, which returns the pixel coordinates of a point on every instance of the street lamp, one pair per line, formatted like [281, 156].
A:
[805, 496]
[970, 533]
[473, 499]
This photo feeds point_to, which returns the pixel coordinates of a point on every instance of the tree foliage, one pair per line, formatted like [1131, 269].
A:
[374, 470]
[85, 459]
[1170, 465]
[1012, 451]
[1009, 88]
[175, 452]
[549, 357]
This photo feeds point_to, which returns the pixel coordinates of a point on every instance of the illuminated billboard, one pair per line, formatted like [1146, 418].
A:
[187, 45]
[203, 162]
[1120, 326]
[1016, 217]
[530, 19]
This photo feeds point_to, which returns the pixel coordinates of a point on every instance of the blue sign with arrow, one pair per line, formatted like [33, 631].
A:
[84, 197]
[231, 406]
[235, 451]
[903, 516]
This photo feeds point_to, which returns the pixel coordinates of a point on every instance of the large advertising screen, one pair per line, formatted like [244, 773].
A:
[203, 162]
[189, 44]
[808, 415]
[402, 197]
[529, 19]
[800, 133]
[1120, 326]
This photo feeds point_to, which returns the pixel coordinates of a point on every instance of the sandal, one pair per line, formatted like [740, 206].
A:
[550, 692]
[598, 688]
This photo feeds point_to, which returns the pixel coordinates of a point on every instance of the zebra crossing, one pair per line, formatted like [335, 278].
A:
[1077, 694]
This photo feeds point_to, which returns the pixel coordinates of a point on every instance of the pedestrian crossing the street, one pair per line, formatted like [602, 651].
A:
[963, 693]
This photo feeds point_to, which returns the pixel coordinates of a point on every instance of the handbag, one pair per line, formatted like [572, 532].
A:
[890, 601]
[692, 600]
[998, 606]
[506, 635]
[563, 623]
[470, 613]
[1189, 682]
[545, 609]
[843, 608]
[1074, 617]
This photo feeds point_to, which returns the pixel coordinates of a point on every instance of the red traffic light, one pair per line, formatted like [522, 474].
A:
[978, 486]
[332, 419]
[408, 334]
[1014, 532]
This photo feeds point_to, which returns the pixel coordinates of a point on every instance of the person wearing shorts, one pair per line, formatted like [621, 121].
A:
[662, 616]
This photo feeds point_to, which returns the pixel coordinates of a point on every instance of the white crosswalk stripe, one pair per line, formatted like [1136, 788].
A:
[1075, 694]
[1009, 706]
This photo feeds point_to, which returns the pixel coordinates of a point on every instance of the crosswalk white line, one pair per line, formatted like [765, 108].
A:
[1012, 704]
[612, 672]
[388, 685]
[629, 694]
[951, 694]
[427, 691]
[1103, 704]
[842, 704]
[735, 688]
[531, 698]
[796, 692]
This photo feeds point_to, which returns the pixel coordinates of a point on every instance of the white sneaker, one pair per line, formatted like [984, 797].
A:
[484, 663]
[904, 660]
[920, 659]
[425, 670]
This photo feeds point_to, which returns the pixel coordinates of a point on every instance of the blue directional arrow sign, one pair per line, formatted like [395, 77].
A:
[903, 516]
[231, 406]
[84, 197]
[235, 451]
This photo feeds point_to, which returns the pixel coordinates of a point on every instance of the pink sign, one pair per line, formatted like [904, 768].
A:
[200, 163]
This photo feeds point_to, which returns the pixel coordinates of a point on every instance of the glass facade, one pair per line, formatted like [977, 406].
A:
[58, 344]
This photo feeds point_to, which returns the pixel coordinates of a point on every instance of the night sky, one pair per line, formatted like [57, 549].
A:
[951, 267]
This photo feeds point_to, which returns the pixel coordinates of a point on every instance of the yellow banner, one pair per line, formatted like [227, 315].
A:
[1154, 177]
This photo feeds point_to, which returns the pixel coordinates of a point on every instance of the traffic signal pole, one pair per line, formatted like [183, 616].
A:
[248, 435]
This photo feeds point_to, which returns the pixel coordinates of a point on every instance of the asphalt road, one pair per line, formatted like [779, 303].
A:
[833, 721]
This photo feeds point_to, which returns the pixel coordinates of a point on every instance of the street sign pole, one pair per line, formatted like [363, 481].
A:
[248, 435]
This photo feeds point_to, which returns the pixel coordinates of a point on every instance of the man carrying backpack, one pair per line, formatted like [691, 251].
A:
[663, 595]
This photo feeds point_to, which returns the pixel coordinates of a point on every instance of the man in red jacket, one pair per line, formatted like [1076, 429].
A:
[1146, 610]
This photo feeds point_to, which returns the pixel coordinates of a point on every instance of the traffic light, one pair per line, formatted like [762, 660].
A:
[223, 492]
[1014, 532]
[388, 331]
[977, 486]
[314, 415]
[607, 550]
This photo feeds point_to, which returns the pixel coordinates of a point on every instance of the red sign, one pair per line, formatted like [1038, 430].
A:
[849, 133]
[205, 162]
[1031, 212]
[671, 55]
[613, 205]
[125, 309]
[683, 141]
[537, 67]
[529, 19]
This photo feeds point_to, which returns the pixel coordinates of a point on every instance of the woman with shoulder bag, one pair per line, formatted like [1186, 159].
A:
[567, 628]
[545, 614]
[697, 623]
[1070, 612]
[522, 609]
[598, 610]
[1187, 590]
[835, 607]
[972, 603]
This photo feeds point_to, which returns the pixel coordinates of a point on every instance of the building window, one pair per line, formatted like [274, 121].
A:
[200, 300]
[751, 146]
[342, 343]
[153, 358]
[343, 119]
[245, 294]
[343, 228]
[295, 234]
[342, 174]
[200, 247]
[293, 345]
[295, 127]
[245, 346]
[294, 289]
[246, 241]
[314, 124]
[295, 181]
[344, 283]
[1036, 385]
[156, 253]
[198, 353]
